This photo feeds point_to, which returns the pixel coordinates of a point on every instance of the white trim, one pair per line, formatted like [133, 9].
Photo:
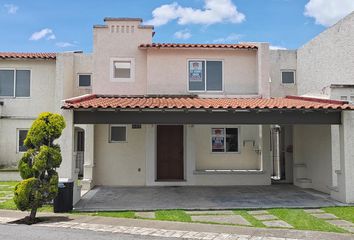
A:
[18, 139]
[78, 81]
[225, 152]
[281, 76]
[132, 70]
[110, 130]
[14, 92]
[205, 75]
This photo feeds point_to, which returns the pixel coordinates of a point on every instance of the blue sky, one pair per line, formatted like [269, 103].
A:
[55, 26]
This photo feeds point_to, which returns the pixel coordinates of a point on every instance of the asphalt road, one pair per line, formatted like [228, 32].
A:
[20, 232]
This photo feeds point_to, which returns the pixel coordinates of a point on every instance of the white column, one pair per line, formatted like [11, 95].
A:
[265, 153]
[67, 170]
[89, 164]
[345, 192]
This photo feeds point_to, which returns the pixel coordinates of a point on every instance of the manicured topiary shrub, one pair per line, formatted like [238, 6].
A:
[38, 164]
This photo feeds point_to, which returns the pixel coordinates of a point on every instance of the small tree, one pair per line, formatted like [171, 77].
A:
[38, 165]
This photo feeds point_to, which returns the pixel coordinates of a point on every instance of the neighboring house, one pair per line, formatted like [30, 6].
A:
[154, 114]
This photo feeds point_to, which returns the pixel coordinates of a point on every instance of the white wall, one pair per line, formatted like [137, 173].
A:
[19, 113]
[109, 45]
[282, 60]
[168, 70]
[327, 59]
[246, 159]
[312, 147]
[119, 163]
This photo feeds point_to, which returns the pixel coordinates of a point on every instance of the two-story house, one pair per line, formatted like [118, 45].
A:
[141, 113]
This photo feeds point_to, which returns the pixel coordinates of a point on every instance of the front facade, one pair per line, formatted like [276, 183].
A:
[146, 114]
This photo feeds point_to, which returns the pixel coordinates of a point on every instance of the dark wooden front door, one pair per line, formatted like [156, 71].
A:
[170, 152]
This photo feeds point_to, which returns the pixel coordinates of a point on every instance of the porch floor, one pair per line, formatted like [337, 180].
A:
[104, 198]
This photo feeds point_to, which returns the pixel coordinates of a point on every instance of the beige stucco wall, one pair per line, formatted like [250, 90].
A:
[312, 147]
[18, 113]
[9, 156]
[168, 70]
[119, 163]
[246, 159]
[42, 89]
[282, 60]
[327, 59]
[109, 45]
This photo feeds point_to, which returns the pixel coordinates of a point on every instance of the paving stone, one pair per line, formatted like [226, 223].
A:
[265, 217]
[230, 219]
[227, 212]
[278, 224]
[314, 211]
[150, 215]
[349, 229]
[325, 216]
[258, 212]
[341, 223]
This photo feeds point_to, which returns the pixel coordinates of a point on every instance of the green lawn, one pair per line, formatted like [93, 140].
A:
[304, 221]
[346, 213]
[173, 215]
[296, 217]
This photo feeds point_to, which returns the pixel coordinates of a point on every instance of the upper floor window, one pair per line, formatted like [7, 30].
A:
[122, 69]
[288, 77]
[84, 80]
[15, 83]
[205, 75]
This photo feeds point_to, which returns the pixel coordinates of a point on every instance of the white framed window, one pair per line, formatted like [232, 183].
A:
[352, 99]
[117, 133]
[343, 98]
[122, 69]
[225, 140]
[205, 75]
[15, 83]
[288, 77]
[84, 80]
[21, 136]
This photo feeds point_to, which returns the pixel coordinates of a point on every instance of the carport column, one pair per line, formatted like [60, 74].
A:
[265, 153]
[87, 182]
[68, 166]
[346, 174]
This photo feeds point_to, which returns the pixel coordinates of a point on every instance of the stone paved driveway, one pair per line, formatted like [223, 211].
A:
[203, 198]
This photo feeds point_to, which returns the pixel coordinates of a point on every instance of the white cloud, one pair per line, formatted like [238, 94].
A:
[46, 33]
[328, 12]
[183, 34]
[64, 44]
[11, 8]
[272, 47]
[232, 38]
[214, 11]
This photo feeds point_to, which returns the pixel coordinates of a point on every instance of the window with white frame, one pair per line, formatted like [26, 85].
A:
[122, 69]
[15, 83]
[225, 140]
[205, 75]
[117, 133]
[84, 80]
[344, 98]
[288, 77]
[21, 136]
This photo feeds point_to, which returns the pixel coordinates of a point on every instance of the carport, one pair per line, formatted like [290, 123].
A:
[301, 113]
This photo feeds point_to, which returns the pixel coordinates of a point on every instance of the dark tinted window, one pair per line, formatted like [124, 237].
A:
[84, 80]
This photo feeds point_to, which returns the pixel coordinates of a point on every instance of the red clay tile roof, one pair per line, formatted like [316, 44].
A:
[189, 45]
[191, 102]
[5, 55]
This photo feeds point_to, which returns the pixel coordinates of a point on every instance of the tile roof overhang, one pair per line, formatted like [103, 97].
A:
[188, 103]
[197, 46]
[18, 55]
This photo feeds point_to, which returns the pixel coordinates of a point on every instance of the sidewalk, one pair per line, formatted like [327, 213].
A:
[169, 229]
